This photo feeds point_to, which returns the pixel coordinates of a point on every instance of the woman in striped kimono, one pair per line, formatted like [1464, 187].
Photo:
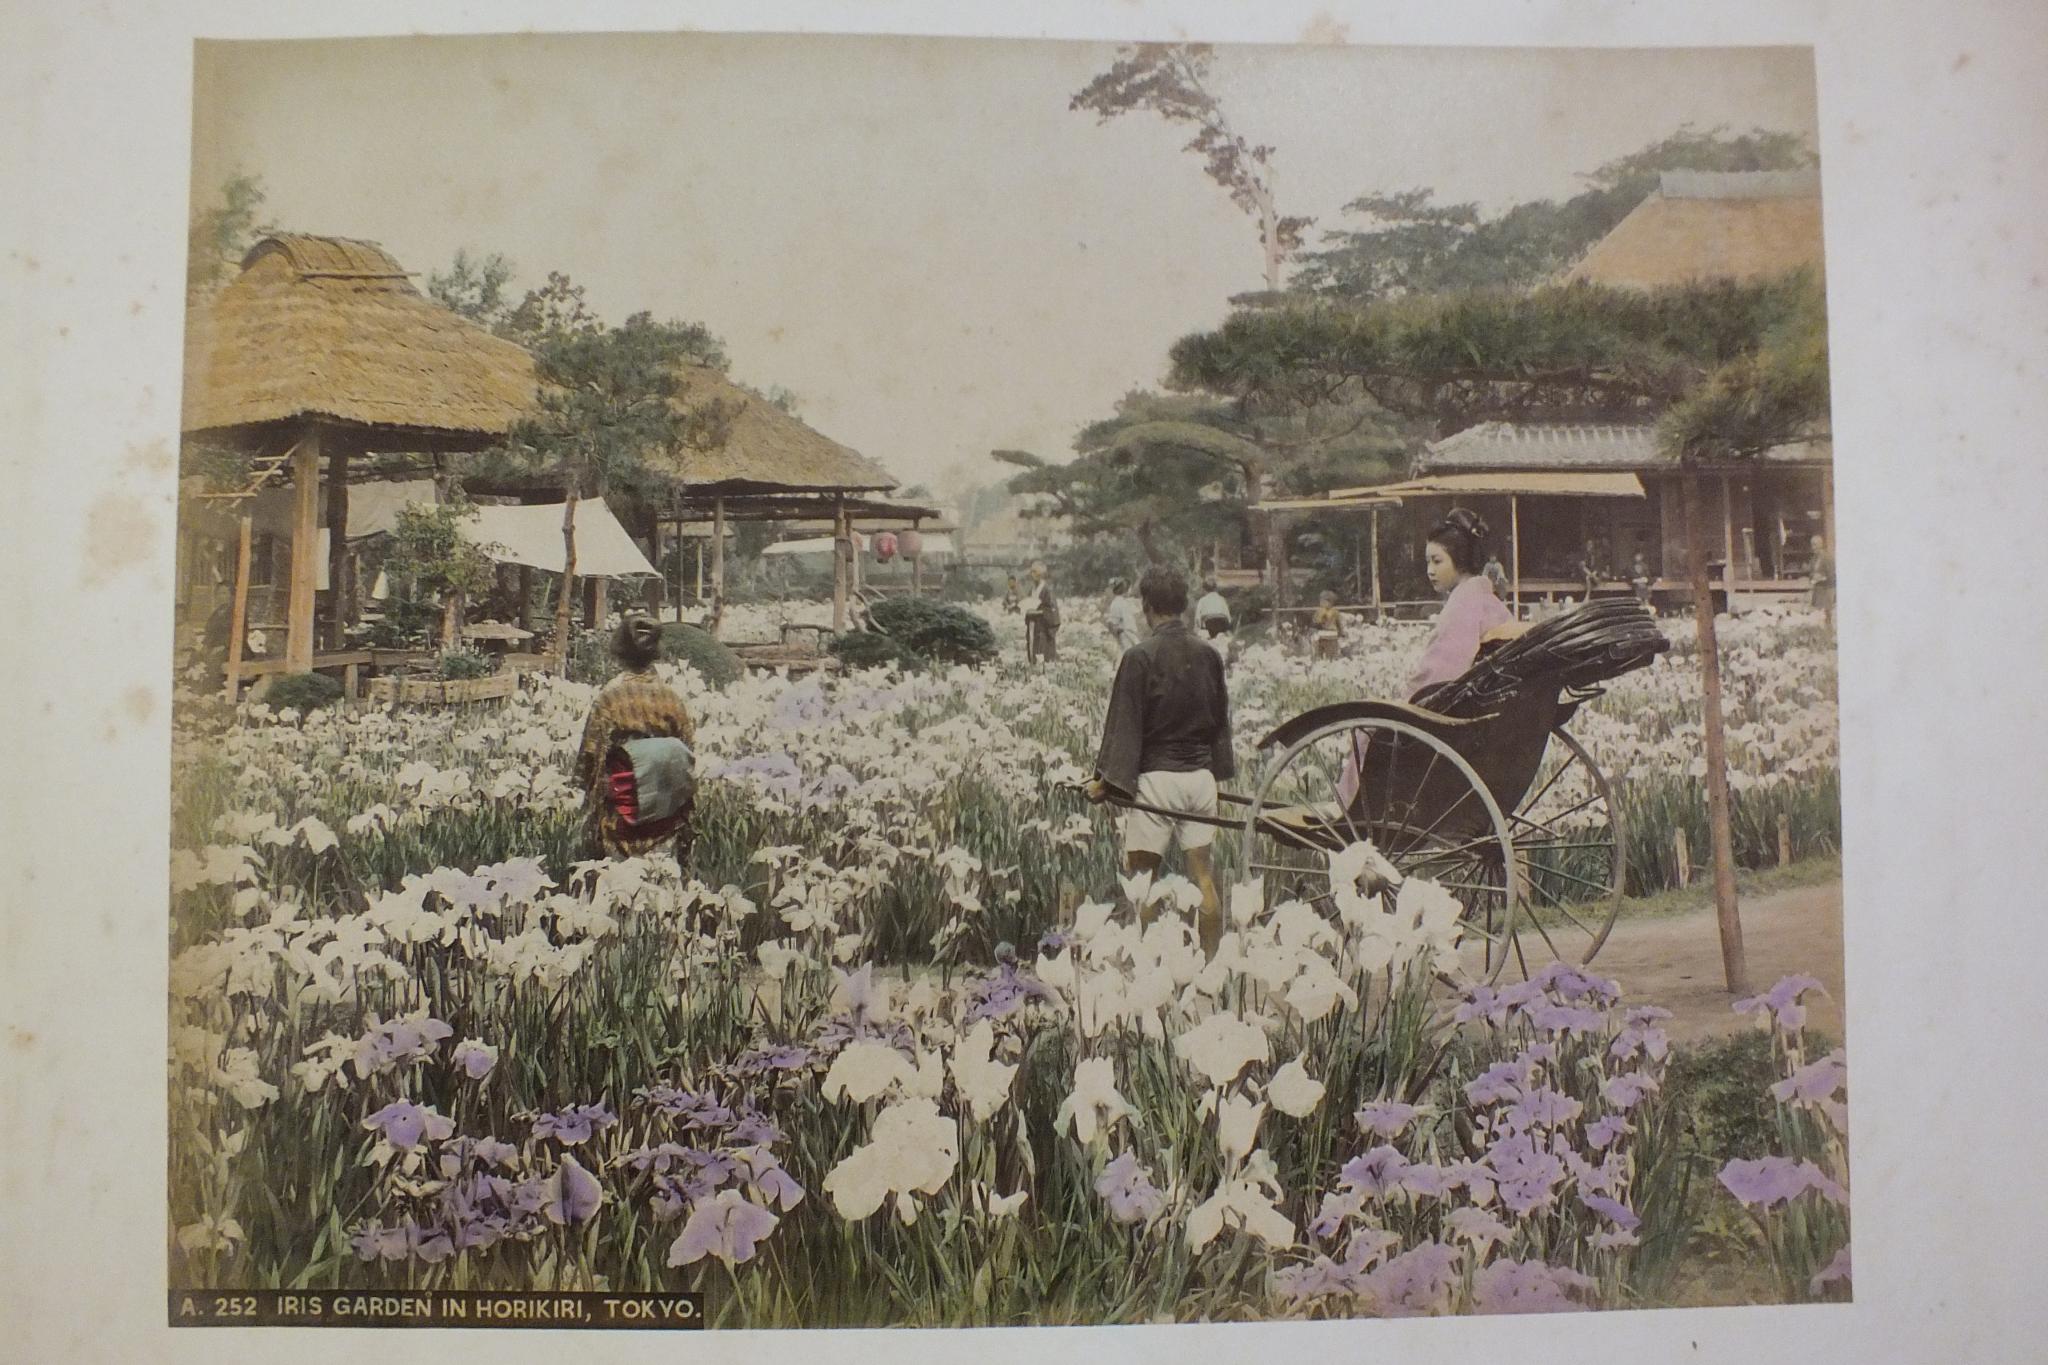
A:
[637, 796]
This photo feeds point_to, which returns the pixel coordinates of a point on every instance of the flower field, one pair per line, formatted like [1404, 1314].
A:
[904, 1048]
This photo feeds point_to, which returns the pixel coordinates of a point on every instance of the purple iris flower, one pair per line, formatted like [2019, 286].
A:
[1814, 1082]
[475, 1059]
[1338, 1205]
[1385, 1118]
[755, 1129]
[1128, 1189]
[657, 1158]
[1577, 1021]
[727, 1226]
[1782, 1001]
[1501, 1081]
[1483, 1003]
[765, 1178]
[1415, 1282]
[1529, 1287]
[375, 1243]
[1002, 993]
[1603, 1131]
[1627, 1090]
[1613, 1210]
[1427, 1181]
[1569, 983]
[403, 1123]
[398, 1042]
[1543, 1107]
[1836, 1269]
[573, 1194]
[1525, 1173]
[1772, 1180]
[575, 1124]
[1051, 943]
[1318, 1279]
[1376, 1172]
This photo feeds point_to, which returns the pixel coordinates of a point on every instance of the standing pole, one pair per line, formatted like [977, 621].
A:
[839, 549]
[1515, 550]
[700, 570]
[339, 580]
[1375, 566]
[238, 619]
[1728, 541]
[1733, 961]
[717, 565]
[298, 647]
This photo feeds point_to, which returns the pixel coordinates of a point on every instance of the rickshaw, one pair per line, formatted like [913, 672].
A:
[1476, 784]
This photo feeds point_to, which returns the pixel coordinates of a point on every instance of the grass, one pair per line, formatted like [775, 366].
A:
[1749, 885]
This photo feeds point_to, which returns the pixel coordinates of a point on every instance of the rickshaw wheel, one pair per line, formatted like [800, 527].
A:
[1570, 848]
[1428, 813]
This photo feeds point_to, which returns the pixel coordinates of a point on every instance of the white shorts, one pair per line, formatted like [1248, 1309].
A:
[1184, 793]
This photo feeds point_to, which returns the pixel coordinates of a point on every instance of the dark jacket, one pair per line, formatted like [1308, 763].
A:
[1169, 711]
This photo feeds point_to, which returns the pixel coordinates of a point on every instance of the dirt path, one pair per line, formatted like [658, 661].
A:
[1675, 960]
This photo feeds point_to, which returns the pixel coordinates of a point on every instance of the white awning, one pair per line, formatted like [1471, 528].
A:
[813, 545]
[532, 536]
[1519, 482]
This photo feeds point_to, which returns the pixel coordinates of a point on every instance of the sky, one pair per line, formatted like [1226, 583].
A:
[915, 236]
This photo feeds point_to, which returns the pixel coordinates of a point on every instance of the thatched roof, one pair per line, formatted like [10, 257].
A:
[766, 450]
[325, 327]
[1705, 226]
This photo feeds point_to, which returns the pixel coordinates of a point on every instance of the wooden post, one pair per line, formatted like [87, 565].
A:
[523, 617]
[238, 618]
[1515, 551]
[1376, 566]
[917, 562]
[1733, 960]
[700, 570]
[298, 648]
[1784, 839]
[840, 531]
[1683, 853]
[1728, 541]
[566, 598]
[717, 565]
[337, 544]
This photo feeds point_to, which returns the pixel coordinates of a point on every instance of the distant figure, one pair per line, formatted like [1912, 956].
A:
[1590, 567]
[1328, 624]
[1212, 612]
[1639, 578]
[1498, 577]
[1012, 595]
[634, 764]
[1166, 744]
[1122, 616]
[1822, 574]
[1041, 619]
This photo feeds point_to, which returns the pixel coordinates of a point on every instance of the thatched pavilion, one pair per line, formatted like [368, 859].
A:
[760, 464]
[323, 348]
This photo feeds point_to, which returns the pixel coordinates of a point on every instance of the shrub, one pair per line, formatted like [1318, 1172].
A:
[463, 663]
[715, 663]
[870, 649]
[302, 691]
[935, 630]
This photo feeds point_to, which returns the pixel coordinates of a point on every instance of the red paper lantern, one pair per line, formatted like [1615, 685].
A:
[885, 547]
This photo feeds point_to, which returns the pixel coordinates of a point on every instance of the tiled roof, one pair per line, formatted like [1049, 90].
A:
[1545, 445]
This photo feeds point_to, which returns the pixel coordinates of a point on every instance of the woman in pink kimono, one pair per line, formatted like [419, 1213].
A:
[1455, 561]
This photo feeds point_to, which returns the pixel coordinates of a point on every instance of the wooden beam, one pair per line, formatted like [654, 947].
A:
[238, 618]
[1728, 568]
[298, 648]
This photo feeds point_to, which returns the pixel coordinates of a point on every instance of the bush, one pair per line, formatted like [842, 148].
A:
[463, 663]
[715, 663]
[302, 691]
[936, 630]
[1252, 605]
[870, 649]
